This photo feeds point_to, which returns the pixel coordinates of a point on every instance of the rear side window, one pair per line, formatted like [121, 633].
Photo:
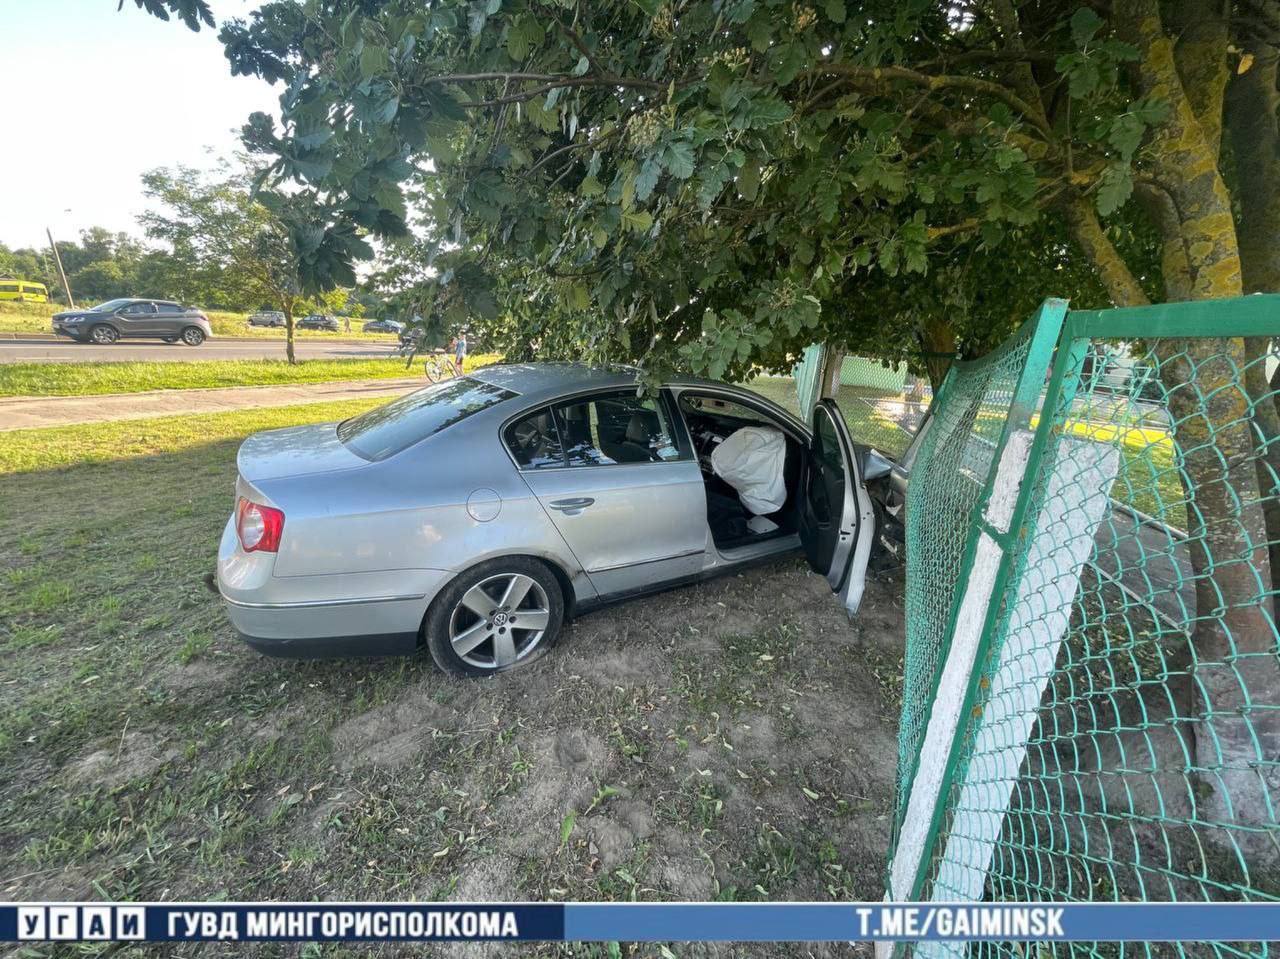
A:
[535, 441]
[621, 428]
[597, 431]
[387, 430]
[8, 287]
[170, 308]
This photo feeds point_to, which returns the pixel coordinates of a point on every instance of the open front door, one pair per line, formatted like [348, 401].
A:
[837, 522]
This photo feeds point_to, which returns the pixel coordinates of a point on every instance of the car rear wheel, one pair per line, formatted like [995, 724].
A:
[495, 616]
[103, 335]
[193, 336]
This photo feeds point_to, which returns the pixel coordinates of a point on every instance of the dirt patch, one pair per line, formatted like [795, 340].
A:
[201, 675]
[391, 735]
[615, 835]
[134, 756]
[623, 664]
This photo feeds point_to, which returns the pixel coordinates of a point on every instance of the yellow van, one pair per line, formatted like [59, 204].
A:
[24, 291]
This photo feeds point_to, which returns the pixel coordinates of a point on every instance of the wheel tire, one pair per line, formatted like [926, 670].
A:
[103, 335]
[193, 336]
[450, 619]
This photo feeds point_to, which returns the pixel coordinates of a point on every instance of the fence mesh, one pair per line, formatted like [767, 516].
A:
[1121, 739]
[883, 404]
[948, 477]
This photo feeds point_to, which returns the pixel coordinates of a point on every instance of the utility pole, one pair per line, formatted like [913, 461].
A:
[66, 287]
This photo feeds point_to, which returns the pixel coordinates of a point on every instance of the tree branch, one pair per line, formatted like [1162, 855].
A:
[874, 75]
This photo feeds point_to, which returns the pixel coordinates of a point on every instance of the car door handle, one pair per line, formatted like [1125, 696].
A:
[571, 505]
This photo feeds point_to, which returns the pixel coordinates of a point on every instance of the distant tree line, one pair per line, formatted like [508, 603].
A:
[217, 249]
[100, 266]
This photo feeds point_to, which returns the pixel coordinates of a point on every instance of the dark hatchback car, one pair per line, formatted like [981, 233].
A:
[150, 319]
[319, 321]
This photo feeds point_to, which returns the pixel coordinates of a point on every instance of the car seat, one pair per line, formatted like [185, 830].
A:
[625, 438]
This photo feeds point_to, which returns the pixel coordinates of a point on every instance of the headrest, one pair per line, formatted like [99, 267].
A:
[639, 428]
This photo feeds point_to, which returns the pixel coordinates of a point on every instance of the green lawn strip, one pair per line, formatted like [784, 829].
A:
[91, 379]
[23, 451]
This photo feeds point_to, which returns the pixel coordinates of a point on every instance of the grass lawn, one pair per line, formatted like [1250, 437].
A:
[679, 747]
[85, 379]
[34, 318]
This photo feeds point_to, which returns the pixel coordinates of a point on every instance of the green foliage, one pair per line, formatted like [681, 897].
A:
[712, 187]
[191, 12]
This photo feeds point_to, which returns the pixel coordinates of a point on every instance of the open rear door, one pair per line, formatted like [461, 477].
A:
[837, 522]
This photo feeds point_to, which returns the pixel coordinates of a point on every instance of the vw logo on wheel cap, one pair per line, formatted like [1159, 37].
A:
[499, 619]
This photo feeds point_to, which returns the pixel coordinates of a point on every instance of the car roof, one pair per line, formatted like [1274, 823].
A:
[536, 382]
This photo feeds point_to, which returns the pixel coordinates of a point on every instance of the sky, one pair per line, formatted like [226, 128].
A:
[94, 97]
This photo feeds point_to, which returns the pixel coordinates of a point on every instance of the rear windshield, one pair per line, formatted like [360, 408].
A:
[387, 430]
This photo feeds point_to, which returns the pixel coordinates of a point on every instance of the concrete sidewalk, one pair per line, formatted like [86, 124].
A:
[33, 412]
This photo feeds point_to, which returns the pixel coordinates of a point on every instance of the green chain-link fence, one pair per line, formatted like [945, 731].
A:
[883, 403]
[1092, 702]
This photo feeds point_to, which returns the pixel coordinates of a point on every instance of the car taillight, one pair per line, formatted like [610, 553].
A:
[259, 527]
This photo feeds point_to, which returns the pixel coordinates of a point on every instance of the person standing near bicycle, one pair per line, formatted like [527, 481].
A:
[459, 347]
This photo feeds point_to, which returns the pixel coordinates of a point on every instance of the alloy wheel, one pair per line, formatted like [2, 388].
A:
[192, 337]
[499, 621]
[103, 334]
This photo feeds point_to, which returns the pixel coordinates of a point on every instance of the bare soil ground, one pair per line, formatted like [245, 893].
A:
[733, 740]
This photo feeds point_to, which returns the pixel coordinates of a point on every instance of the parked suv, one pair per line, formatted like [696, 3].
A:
[151, 319]
[266, 318]
[384, 326]
[319, 321]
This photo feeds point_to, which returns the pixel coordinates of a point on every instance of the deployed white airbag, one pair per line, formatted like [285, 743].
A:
[751, 460]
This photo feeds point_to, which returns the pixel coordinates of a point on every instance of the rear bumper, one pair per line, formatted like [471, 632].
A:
[380, 644]
[324, 647]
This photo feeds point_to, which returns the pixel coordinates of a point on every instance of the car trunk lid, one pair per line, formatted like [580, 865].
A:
[295, 451]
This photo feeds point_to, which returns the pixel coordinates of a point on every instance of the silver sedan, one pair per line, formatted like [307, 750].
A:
[479, 514]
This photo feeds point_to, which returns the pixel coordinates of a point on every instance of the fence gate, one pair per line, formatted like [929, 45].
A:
[1092, 691]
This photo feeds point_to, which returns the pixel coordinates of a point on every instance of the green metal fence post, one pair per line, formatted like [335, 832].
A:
[982, 571]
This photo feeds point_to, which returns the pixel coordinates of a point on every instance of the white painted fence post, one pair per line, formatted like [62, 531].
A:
[1075, 501]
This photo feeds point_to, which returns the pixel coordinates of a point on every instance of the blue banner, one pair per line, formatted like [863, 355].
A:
[639, 922]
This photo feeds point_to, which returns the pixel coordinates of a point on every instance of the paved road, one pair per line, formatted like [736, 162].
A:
[64, 351]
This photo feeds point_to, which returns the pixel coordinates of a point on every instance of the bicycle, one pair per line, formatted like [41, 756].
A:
[438, 366]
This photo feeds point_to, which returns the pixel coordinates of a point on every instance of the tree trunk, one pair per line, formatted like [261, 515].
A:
[1252, 103]
[938, 344]
[1236, 669]
[1233, 635]
[288, 333]
[1111, 268]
